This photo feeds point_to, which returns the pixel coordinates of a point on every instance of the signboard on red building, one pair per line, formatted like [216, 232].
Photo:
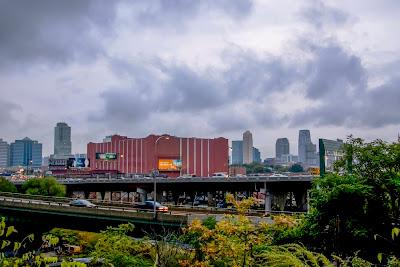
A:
[169, 164]
[106, 156]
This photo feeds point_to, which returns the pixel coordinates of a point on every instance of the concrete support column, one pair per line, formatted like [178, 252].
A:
[211, 201]
[301, 200]
[86, 194]
[142, 194]
[267, 199]
[280, 200]
[102, 195]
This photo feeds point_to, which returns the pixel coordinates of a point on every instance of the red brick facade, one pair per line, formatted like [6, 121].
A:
[198, 156]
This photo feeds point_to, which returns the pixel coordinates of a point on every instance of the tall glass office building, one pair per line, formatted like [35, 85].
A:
[237, 152]
[26, 153]
[4, 154]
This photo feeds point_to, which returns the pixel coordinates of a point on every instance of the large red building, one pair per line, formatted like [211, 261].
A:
[171, 155]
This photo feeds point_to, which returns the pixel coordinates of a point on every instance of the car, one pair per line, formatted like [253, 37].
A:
[149, 205]
[220, 174]
[187, 175]
[82, 203]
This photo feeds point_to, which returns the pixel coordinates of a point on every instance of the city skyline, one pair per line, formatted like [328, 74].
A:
[48, 145]
[225, 66]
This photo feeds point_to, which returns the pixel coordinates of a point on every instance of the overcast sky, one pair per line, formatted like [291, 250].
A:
[204, 68]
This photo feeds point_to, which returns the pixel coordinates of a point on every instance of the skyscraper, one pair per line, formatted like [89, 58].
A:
[256, 155]
[62, 139]
[307, 150]
[281, 148]
[237, 152]
[26, 153]
[304, 140]
[247, 147]
[4, 154]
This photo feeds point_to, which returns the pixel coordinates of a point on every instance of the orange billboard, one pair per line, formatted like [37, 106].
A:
[169, 164]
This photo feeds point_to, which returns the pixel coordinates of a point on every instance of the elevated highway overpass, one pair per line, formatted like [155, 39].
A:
[274, 188]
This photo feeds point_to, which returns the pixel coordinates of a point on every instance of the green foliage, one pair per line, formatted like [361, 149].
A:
[256, 168]
[296, 168]
[290, 255]
[47, 186]
[7, 186]
[18, 258]
[87, 240]
[117, 248]
[354, 210]
[210, 222]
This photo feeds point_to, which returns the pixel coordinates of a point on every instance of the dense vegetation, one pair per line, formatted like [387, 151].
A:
[47, 186]
[7, 186]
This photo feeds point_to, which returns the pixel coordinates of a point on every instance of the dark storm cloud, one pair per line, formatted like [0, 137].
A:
[157, 87]
[382, 105]
[337, 83]
[47, 31]
[333, 71]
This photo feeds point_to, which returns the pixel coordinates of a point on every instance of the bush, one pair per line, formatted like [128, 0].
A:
[7, 186]
[47, 186]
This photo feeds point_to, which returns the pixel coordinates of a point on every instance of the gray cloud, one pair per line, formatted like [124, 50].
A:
[320, 15]
[6, 113]
[48, 31]
[158, 87]
[337, 81]
[176, 12]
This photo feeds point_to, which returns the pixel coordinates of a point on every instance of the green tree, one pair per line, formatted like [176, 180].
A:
[296, 168]
[117, 248]
[361, 201]
[47, 186]
[7, 186]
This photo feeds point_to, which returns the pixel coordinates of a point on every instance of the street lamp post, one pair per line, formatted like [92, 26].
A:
[155, 173]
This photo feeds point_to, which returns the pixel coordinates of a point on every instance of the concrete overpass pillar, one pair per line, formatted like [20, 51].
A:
[142, 194]
[102, 195]
[301, 200]
[210, 198]
[280, 198]
[267, 199]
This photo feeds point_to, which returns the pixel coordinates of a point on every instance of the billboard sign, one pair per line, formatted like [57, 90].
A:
[57, 162]
[169, 164]
[80, 162]
[106, 156]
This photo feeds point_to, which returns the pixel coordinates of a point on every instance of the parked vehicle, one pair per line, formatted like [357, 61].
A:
[149, 205]
[82, 203]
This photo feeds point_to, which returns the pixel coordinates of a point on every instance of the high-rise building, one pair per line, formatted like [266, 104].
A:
[4, 154]
[311, 154]
[237, 152]
[62, 139]
[26, 153]
[307, 150]
[256, 155]
[247, 147]
[281, 148]
[304, 140]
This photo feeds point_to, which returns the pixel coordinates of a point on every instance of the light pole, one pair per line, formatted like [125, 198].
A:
[155, 173]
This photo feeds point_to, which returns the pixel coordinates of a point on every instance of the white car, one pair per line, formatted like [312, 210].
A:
[220, 174]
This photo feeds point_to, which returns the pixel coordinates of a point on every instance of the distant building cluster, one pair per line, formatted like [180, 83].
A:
[170, 155]
[243, 151]
[25, 153]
